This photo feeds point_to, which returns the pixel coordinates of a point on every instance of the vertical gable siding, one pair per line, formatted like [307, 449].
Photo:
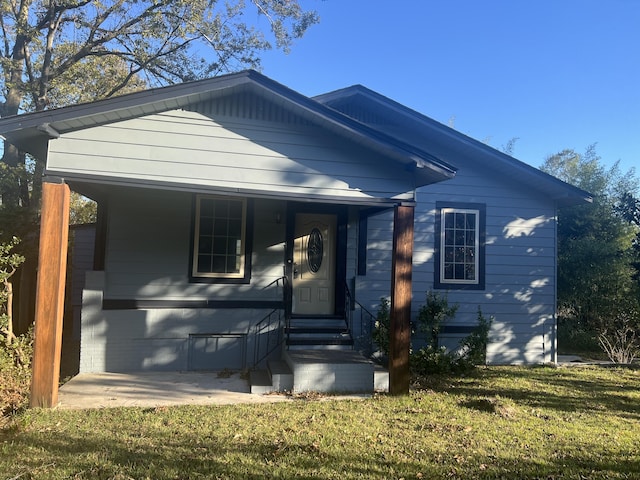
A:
[520, 264]
[249, 106]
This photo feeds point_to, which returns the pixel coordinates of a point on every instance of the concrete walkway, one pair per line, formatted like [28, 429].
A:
[153, 389]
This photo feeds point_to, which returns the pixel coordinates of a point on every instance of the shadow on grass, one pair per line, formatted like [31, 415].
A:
[573, 389]
[481, 426]
[193, 456]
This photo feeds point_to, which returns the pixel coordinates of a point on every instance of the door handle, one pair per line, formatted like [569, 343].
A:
[295, 270]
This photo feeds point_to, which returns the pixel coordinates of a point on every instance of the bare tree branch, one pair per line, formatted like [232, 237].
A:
[49, 46]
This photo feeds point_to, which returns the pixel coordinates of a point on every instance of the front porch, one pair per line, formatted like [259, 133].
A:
[182, 332]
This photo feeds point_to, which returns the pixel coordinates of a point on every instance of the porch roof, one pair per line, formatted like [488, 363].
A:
[32, 131]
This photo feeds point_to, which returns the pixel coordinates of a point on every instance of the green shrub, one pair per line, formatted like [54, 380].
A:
[382, 326]
[433, 315]
[15, 373]
[575, 337]
[15, 382]
[434, 359]
[15, 351]
[430, 360]
[474, 347]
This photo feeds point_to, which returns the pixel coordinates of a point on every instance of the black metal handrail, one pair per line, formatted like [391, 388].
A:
[270, 327]
[276, 282]
[349, 304]
[367, 324]
[364, 341]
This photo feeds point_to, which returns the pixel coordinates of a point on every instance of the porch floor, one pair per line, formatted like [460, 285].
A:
[155, 389]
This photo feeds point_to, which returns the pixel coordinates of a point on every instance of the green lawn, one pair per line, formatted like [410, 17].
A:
[507, 422]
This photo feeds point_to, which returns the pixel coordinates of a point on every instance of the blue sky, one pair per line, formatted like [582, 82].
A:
[555, 74]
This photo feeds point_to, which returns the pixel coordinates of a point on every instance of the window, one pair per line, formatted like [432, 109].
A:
[220, 247]
[460, 239]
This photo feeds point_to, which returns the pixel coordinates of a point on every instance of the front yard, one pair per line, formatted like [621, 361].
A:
[503, 422]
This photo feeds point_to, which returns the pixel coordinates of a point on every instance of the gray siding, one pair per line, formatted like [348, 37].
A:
[148, 246]
[278, 156]
[83, 238]
[520, 264]
[162, 339]
[147, 258]
[193, 149]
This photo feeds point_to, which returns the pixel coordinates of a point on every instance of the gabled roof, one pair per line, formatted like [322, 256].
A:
[384, 114]
[31, 132]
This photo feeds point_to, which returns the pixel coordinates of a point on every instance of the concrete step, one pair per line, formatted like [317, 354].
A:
[310, 370]
[281, 376]
[346, 348]
[260, 382]
[323, 321]
[330, 371]
[380, 379]
[309, 340]
[277, 377]
[318, 332]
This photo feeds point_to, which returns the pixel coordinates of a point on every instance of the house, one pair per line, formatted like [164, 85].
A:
[511, 274]
[240, 222]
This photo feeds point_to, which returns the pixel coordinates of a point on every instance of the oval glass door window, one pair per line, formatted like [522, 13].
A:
[315, 250]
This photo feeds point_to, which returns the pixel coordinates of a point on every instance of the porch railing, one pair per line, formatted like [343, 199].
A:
[268, 332]
[349, 307]
[363, 342]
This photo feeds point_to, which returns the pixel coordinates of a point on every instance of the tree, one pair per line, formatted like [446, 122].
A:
[58, 52]
[595, 254]
[629, 209]
[82, 210]
[9, 263]
[15, 350]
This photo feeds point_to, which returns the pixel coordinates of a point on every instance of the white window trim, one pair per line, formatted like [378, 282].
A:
[443, 279]
[196, 240]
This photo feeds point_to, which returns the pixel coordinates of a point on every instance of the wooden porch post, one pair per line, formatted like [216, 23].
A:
[52, 268]
[400, 331]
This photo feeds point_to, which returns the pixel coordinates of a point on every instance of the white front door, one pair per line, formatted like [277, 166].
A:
[314, 264]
